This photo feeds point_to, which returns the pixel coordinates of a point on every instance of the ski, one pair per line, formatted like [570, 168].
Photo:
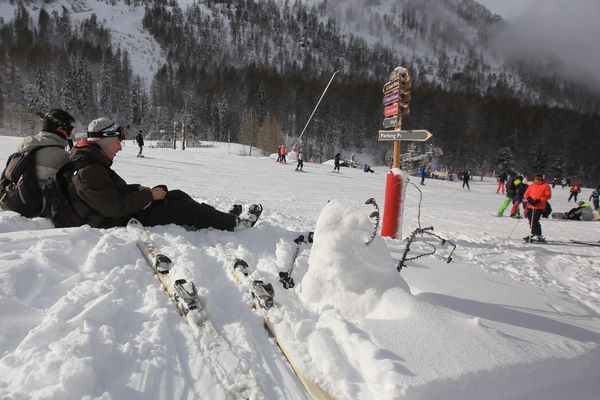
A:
[262, 296]
[227, 366]
[285, 277]
[549, 242]
[595, 244]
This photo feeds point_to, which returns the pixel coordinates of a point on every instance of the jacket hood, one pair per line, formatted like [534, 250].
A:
[42, 138]
[88, 153]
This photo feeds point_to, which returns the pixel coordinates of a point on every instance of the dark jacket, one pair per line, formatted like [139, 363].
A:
[521, 191]
[511, 189]
[98, 194]
[139, 138]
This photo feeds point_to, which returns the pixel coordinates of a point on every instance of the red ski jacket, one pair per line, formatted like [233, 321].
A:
[540, 191]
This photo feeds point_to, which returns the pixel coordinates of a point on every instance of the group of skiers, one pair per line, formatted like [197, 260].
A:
[281, 153]
[533, 197]
[79, 187]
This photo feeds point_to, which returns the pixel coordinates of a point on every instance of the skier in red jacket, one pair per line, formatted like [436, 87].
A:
[536, 196]
[575, 190]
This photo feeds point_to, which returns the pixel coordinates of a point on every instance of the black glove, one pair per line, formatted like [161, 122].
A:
[533, 201]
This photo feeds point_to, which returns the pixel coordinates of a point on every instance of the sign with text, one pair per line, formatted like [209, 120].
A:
[391, 86]
[391, 98]
[390, 110]
[390, 122]
[419, 135]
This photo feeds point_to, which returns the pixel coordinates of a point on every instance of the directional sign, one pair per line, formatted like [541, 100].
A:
[390, 122]
[390, 98]
[390, 110]
[391, 86]
[419, 135]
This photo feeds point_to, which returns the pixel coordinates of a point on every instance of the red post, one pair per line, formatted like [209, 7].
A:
[395, 189]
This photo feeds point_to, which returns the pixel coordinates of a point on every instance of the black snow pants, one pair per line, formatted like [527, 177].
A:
[533, 215]
[180, 209]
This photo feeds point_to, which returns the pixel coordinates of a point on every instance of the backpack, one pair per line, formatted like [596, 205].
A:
[58, 202]
[19, 190]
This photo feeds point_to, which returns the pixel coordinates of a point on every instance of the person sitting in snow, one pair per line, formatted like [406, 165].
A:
[581, 212]
[51, 141]
[102, 199]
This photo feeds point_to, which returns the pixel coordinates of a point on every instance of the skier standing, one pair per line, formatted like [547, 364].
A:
[536, 196]
[336, 163]
[511, 192]
[594, 197]
[300, 165]
[501, 180]
[465, 178]
[422, 173]
[514, 211]
[575, 190]
[139, 138]
[283, 154]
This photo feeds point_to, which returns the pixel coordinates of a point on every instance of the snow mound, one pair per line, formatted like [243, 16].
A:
[346, 274]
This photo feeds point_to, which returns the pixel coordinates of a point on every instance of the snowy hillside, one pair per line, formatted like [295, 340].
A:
[453, 44]
[124, 23]
[83, 317]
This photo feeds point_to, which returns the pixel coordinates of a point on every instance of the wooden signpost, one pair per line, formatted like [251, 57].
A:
[396, 104]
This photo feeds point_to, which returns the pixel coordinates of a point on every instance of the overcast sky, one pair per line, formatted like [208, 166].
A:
[568, 28]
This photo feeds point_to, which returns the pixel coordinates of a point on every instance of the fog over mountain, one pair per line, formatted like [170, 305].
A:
[569, 30]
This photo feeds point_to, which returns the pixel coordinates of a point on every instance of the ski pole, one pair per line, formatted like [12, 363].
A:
[515, 227]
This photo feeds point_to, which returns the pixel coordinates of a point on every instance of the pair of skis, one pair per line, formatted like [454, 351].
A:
[228, 368]
[185, 297]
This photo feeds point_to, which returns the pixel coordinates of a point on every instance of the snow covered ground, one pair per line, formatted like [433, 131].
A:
[83, 317]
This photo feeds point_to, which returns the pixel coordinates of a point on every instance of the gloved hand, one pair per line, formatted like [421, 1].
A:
[533, 201]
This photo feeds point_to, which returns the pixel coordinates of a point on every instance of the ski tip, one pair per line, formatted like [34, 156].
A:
[134, 222]
[239, 263]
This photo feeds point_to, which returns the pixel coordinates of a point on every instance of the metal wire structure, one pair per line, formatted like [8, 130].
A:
[420, 231]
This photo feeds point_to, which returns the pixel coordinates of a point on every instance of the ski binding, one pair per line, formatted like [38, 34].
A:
[186, 294]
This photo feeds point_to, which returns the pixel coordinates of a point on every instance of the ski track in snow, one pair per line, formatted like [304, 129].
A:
[84, 317]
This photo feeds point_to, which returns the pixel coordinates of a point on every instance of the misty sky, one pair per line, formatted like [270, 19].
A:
[568, 28]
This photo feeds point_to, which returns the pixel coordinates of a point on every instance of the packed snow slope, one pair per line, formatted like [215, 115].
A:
[83, 317]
